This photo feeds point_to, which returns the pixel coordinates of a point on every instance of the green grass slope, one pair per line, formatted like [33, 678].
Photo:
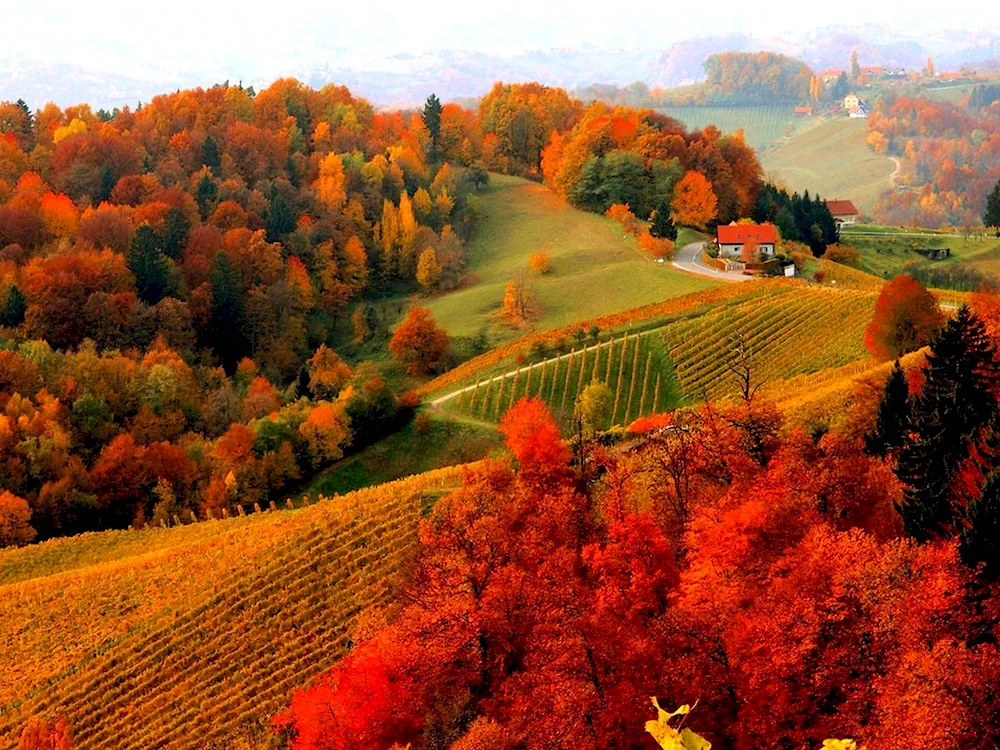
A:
[833, 160]
[176, 638]
[595, 269]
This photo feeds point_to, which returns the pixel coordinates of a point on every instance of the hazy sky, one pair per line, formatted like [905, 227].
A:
[185, 34]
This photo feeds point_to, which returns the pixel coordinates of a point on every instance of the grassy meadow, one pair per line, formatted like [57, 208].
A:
[832, 159]
[596, 270]
[886, 250]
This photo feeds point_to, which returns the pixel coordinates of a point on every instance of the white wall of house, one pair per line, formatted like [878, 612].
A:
[845, 221]
[733, 251]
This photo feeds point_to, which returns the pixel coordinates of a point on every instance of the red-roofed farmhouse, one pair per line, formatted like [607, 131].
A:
[843, 212]
[732, 237]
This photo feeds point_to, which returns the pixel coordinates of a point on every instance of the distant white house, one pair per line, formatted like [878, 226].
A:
[732, 237]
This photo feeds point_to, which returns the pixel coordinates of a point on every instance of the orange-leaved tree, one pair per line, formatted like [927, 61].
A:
[906, 318]
[695, 203]
[419, 342]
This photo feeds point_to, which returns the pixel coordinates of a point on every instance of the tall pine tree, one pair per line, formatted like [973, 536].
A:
[149, 265]
[992, 216]
[980, 539]
[225, 332]
[12, 314]
[893, 420]
[662, 225]
[957, 400]
[432, 120]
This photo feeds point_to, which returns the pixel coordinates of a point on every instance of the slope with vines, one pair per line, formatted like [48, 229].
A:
[176, 638]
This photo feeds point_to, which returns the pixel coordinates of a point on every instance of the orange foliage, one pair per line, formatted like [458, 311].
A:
[694, 203]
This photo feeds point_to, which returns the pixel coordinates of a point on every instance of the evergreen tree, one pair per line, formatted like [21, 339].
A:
[957, 400]
[980, 538]
[149, 265]
[175, 230]
[13, 311]
[432, 119]
[992, 216]
[107, 184]
[662, 225]
[205, 194]
[225, 332]
[280, 219]
[210, 155]
[893, 420]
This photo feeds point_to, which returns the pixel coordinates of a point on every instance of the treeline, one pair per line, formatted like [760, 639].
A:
[636, 157]
[798, 218]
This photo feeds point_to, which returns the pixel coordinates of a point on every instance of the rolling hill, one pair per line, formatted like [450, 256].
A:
[595, 269]
[832, 159]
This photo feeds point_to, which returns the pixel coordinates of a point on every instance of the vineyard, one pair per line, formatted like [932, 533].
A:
[800, 332]
[762, 126]
[636, 369]
[179, 637]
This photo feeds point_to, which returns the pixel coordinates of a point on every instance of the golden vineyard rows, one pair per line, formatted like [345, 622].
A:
[211, 630]
[803, 330]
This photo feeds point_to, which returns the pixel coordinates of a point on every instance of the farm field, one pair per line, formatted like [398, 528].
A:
[224, 617]
[832, 159]
[595, 269]
[763, 126]
[684, 362]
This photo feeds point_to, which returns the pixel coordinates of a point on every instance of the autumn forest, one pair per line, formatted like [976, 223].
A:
[327, 425]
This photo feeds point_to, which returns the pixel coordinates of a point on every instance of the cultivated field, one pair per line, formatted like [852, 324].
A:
[833, 160]
[223, 618]
[595, 269]
[793, 331]
[763, 126]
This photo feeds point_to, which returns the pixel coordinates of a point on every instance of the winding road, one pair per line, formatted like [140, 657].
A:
[688, 259]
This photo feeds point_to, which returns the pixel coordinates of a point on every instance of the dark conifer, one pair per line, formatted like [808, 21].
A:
[957, 400]
[662, 225]
[980, 539]
[13, 311]
[893, 420]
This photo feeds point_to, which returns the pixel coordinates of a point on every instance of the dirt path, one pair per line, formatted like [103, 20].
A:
[895, 173]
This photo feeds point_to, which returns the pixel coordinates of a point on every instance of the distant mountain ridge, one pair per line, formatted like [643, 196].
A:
[406, 79]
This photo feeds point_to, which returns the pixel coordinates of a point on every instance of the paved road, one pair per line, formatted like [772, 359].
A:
[688, 259]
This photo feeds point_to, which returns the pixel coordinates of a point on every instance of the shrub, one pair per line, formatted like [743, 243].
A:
[539, 262]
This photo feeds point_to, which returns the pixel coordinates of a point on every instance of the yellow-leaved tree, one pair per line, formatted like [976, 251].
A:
[675, 738]
[330, 185]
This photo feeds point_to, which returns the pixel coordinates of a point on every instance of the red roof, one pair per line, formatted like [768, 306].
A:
[737, 234]
[841, 208]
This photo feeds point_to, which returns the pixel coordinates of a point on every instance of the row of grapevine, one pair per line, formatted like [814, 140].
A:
[635, 368]
[178, 647]
[803, 331]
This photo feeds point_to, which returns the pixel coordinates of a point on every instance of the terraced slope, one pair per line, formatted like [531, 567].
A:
[174, 638]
